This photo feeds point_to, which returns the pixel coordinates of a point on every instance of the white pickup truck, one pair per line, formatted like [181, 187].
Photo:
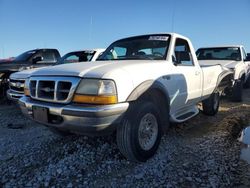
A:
[17, 79]
[233, 57]
[139, 85]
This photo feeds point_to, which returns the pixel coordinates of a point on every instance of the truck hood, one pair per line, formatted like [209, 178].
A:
[11, 62]
[225, 63]
[5, 62]
[91, 70]
[23, 74]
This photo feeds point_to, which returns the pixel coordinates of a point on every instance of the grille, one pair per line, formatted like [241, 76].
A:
[53, 89]
[17, 85]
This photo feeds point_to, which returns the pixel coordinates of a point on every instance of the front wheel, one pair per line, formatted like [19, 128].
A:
[247, 83]
[139, 134]
[211, 105]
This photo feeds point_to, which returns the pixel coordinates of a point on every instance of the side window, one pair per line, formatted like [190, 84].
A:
[182, 53]
[71, 59]
[116, 53]
[120, 52]
[48, 57]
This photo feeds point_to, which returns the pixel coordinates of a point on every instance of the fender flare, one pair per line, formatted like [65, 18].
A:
[164, 104]
[224, 80]
[241, 75]
[147, 86]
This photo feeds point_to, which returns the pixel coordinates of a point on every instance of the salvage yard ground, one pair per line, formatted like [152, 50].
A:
[203, 152]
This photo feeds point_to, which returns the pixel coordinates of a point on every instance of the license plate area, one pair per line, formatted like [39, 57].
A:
[40, 114]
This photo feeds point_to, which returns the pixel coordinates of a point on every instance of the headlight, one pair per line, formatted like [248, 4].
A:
[26, 88]
[24, 68]
[93, 91]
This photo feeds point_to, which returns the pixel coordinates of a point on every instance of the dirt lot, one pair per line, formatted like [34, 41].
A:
[203, 152]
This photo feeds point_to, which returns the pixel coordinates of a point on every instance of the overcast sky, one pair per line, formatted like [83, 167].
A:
[84, 24]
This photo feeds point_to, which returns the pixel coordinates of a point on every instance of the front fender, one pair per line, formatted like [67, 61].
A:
[148, 86]
[224, 80]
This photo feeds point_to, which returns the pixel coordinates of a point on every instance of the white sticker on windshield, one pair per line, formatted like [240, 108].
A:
[164, 38]
[89, 51]
[31, 52]
[233, 48]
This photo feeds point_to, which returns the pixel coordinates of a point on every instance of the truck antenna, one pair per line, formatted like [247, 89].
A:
[90, 30]
[173, 15]
[3, 54]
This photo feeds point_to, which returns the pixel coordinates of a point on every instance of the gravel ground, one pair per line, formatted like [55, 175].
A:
[203, 152]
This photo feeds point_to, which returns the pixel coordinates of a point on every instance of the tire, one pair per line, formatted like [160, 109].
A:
[139, 134]
[237, 91]
[211, 105]
[247, 83]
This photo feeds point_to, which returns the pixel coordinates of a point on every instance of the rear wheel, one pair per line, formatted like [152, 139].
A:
[139, 134]
[211, 105]
[237, 91]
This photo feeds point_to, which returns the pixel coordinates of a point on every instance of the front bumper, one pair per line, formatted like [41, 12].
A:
[14, 96]
[80, 119]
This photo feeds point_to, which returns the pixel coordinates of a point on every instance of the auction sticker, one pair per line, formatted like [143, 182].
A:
[163, 38]
[31, 52]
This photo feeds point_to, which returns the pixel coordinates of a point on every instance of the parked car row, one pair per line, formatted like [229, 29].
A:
[27, 60]
[136, 88]
[233, 57]
[34, 59]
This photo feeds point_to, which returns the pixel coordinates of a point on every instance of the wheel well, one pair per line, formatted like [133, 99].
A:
[243, 77]
[224, 81]
[161, 101]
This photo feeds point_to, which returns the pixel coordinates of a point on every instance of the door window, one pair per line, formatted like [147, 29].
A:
[182, 54]
[71, 59]
[48, 57]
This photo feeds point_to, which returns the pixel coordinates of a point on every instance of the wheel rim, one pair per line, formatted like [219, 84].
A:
[216, 101]
[148, 131]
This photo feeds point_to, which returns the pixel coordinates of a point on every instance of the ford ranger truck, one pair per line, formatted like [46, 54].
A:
[16, 81]
[139, 85]
[233, 57]
[28, 60]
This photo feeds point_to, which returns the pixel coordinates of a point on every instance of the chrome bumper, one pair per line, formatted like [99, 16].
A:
[14, 96]
[80, 119]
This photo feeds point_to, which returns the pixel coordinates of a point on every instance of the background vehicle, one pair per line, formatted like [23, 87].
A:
[16, 83]
[233, 57]
[138, 86]
[7, 59]
[28, 60]
[81, 56]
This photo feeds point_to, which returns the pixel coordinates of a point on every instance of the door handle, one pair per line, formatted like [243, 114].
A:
[197, 72]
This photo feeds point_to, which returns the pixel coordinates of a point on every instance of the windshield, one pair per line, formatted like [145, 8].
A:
[229, 53]
[153, 47]
[80, 56]
[25, 56]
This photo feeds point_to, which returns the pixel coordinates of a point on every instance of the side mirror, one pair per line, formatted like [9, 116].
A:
[248, 57]
[175, 60]
[37, 59]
